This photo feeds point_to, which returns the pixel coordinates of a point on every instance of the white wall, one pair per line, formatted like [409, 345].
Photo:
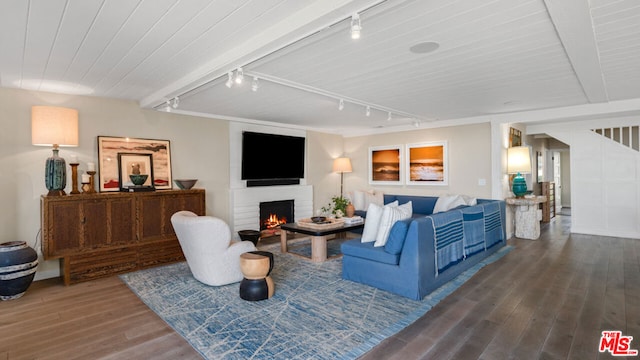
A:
[322, 150]
[566, 178]
[469, 150]
[199, 149]
[605, 184]
[605, 178]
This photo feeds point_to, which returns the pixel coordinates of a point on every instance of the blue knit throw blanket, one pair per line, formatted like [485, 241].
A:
[449, 235]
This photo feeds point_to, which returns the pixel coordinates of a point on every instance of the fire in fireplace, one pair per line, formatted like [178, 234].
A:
[275, 213]
[274, 221]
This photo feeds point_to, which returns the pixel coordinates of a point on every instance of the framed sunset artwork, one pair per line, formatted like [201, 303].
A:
[385, 165]
[427, 163]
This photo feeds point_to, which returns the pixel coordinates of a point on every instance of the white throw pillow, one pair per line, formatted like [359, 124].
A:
[446, 203]
[390, 215]
[374, 213]
[372, 221]
[358, 200]
[469, 200]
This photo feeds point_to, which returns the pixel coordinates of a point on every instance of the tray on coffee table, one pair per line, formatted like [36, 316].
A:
[325, 225]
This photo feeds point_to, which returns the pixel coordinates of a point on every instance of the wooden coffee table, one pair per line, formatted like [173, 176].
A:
[318, 239]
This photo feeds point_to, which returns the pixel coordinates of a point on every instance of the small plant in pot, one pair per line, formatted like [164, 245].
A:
[337, 206]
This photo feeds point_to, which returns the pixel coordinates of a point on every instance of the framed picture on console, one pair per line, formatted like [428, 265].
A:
[109, 170]
[385, 165]
[427, 163]
[134, 164]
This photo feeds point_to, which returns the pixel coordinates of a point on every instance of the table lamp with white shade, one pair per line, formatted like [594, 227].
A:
[54, 126]
[519, 162]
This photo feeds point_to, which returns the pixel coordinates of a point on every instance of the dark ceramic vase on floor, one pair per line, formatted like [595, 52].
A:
[18, 263]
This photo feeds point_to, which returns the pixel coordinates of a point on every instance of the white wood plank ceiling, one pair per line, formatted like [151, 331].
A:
[494, 57]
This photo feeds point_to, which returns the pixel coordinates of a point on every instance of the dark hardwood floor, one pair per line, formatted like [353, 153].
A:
[547, 299]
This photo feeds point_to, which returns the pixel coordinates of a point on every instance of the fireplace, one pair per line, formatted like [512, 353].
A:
[275, 213]
[245, 204]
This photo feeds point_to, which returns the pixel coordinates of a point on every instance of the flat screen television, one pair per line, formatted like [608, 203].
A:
[270, 159]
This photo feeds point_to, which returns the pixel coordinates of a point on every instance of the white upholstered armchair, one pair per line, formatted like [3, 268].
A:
[206, 243]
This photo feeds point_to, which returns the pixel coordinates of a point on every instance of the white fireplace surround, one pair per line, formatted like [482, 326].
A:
[245, 204]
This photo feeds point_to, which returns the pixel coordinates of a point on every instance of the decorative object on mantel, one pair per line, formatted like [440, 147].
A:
[519, 162]
[18, 263]
[86, 186]
[74, 175]
[185, 184]
[54, 126]
[110, 147]
[91, 189]
[342, 165]
[135, 172]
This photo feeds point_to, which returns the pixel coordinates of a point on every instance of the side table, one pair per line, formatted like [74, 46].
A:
[256, 266]
[526, 210]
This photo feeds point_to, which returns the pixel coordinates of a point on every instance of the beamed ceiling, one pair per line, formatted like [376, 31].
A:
[542, 59]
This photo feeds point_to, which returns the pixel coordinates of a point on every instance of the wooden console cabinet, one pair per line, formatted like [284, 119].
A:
[104, 234]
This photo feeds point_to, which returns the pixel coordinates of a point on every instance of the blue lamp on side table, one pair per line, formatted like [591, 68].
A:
[519, 162]
[54, 126]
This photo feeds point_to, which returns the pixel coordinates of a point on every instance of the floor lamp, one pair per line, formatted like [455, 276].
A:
[342, 165]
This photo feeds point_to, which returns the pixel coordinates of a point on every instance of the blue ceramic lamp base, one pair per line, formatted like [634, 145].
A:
[55, 174]
[519, 187]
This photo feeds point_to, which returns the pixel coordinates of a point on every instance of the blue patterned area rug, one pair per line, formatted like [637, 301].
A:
[314, 313]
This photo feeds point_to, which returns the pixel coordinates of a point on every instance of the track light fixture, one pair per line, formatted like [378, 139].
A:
[175, 103]
[167, 106]
[239, 76]
[229, 82]
[356, 26]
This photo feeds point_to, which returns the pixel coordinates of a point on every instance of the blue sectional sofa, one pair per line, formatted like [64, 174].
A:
[428, 250]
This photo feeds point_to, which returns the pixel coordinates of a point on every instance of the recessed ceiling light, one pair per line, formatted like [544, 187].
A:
[424, 47]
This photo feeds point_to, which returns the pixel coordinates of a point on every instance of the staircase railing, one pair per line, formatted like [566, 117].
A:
[628, 136]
